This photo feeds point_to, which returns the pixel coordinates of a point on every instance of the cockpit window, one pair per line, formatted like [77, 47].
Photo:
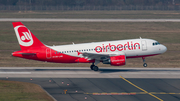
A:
[155, 43]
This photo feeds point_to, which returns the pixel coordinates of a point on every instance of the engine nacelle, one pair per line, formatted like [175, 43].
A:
[116, 60]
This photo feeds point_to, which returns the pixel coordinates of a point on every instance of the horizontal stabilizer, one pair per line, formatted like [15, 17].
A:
[27, 53]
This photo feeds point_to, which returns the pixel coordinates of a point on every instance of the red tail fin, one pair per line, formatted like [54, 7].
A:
[25, 38]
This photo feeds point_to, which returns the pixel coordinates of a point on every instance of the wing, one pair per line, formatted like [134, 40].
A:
[100, 57]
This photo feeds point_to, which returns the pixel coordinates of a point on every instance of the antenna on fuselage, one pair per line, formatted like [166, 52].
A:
[73, 43]
[140, 38]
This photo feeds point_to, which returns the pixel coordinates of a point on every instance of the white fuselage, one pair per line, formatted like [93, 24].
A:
[131, 48]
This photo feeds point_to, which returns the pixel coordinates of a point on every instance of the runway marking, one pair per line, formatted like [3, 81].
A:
[130, 93]
[141, 88]
[164, 93]
[122, 93]
[15, 72]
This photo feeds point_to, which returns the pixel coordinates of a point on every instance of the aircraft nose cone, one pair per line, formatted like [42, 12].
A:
[164, 48]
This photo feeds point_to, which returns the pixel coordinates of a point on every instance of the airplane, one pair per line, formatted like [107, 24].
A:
[114, 53]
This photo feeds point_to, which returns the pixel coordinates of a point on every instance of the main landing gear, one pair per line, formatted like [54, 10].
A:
[145, 64]
[94, 66]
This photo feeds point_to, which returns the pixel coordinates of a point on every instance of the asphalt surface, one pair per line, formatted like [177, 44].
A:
[129, 84]
[108, 89]
[87, 20]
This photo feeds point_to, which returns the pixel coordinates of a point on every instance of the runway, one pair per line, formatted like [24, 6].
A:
[115, 84]
[85, 20]
[85, 72]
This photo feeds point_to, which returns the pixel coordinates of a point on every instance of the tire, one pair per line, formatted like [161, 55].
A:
[96, 68]
[92, 67]
[145, 64]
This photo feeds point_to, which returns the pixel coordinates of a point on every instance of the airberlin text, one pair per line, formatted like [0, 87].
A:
[119, 47]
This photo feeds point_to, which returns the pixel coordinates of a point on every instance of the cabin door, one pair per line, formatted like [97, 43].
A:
[144, 45]
[48, 53]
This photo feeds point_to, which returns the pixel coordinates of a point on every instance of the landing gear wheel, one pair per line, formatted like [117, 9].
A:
[95, 68]
[145, 64]
[92, 67]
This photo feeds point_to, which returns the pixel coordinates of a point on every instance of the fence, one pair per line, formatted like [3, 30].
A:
[63, 8]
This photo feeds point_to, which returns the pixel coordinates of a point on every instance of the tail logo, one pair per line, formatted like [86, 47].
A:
[24, 35]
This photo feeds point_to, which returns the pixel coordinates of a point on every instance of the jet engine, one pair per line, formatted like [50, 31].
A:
[116, 60]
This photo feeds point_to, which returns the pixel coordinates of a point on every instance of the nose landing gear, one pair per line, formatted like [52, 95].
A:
[145, 64]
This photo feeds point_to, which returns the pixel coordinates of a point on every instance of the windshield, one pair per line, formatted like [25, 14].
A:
[156, 43]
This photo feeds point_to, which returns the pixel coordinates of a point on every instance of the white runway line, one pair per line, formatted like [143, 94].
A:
[86, 20]
[15, 72]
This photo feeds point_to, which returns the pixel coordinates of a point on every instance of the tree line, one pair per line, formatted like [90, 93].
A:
[90, 2]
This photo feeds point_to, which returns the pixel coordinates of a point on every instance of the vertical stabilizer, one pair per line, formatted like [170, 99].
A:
[25, 38]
